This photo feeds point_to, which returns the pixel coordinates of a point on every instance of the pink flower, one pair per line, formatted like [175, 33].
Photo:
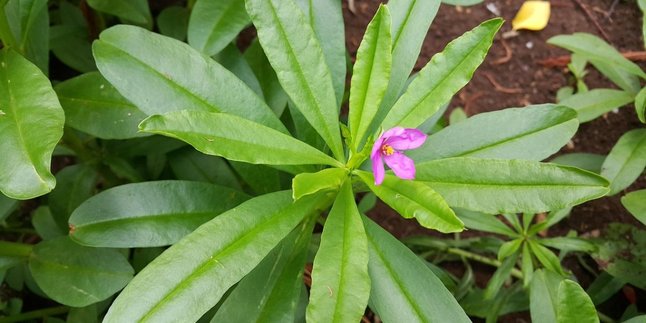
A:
[387, 148]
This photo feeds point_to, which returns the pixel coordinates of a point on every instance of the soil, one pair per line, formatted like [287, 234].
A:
[512, 76]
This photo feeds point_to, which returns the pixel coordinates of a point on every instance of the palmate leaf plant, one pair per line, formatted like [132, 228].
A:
[247, 262]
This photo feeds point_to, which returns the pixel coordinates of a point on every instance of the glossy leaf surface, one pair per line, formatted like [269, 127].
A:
[532, 133]
[295, 53]
[190, 277]
[594, 103]
[31, 123]
[136, 11]
[509, 186]
[626, 161]
[370, 75]
[310, 183]
[235, 138]
[149, 214]
[29, 23]
[404, 289]
[271, 291]
[340, 265]
[640, 105]
[415, 200]
[78, 276]
[94, 106]
[574, 305]
[160, 74]
[214, 24]
[442, 77]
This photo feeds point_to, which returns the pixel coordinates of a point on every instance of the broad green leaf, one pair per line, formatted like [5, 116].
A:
[410, 22]
[78, 276]
[415, 200]
[509, 186]
[569, 244]
[546, 257]
[442, 77]
[273, 92]
[635, 203]
[271, 291]
[626, 161]
[192, 165]
[31, 123]
[574, 305]
[149, 214]
[231, 58]
[640, 318]
[87, 314]
[502, 273]
[235, 138]
[543, 296]
[70, 44]
[135, 11]
[45, 225]
[326, 19]
[295, 53]
[595, 49]
[586, 161]
[310, 183]
[625, 80]
[340, 281]
[94, 106]
[190, 277]
[159, 74]
[594, 103]
[214, 24]
[173, 22]
[29, 23]
[403, 288]
[532, 133]
[76, 184]
[484, 222]
[370, 75]
[640, 105]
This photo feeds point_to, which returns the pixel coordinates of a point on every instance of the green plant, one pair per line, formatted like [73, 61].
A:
[231, 254]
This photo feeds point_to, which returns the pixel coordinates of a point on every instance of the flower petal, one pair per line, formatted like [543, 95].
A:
[378, 168]
[533, 15]
[407, 139]
[401, 165]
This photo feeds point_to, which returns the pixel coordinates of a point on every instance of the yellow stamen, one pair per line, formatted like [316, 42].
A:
[387, 150]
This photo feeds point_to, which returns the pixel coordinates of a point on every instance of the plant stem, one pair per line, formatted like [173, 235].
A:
[50, 311]
[482, 259]
[14, 249]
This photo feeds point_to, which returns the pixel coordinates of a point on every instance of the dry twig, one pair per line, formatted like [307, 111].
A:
[591, 18]
[508, 54]
[501, 88]
[562, 61]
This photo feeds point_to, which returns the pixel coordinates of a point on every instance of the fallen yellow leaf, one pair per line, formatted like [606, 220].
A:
[533, 15]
